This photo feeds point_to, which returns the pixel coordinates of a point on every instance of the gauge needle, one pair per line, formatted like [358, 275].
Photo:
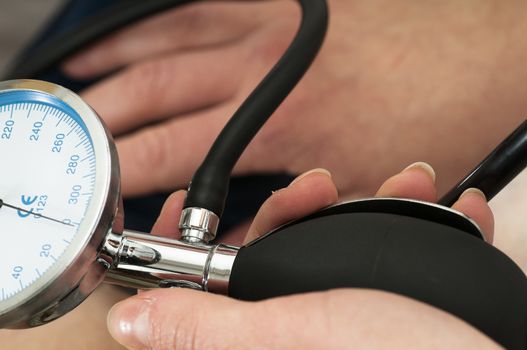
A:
[4, 204]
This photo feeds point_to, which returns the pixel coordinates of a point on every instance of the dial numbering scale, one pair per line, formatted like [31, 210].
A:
[61, 224]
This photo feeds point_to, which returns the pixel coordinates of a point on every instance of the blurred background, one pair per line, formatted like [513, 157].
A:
[19, 20]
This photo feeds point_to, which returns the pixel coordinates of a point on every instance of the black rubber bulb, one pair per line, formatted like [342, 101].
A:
[426, 252]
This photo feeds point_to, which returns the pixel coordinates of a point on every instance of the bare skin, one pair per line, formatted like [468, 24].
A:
[445, 75]
[511, 224]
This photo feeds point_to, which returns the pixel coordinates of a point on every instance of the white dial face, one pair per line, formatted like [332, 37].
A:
[47, 179]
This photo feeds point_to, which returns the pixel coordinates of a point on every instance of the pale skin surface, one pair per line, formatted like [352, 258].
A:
[509, 207]
[443, 71]
[448, 76]
[182, 319]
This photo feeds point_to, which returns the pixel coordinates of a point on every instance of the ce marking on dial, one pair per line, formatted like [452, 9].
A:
[29, 212]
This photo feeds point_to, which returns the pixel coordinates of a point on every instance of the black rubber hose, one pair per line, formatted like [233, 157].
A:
[428, 261]
[499, 168]
[210, 183]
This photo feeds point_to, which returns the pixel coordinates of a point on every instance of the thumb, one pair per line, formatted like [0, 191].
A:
[185, 319]
[366, 319]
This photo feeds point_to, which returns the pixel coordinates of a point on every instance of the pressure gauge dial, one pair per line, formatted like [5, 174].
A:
[61, 227]
[58, 193]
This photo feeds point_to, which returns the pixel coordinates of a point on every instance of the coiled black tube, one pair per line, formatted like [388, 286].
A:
[500, 167]
[210, 183]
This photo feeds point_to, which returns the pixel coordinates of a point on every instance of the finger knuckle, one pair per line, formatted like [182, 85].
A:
[153, 150]
[189, 20]
[273, 42]
[147, 81]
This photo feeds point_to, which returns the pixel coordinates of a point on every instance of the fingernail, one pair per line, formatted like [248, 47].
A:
[475, 191]
[128, 322]
[314, 171]
[422, 166]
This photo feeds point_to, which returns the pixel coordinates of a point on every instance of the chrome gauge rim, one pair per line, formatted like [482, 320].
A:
[68, 272]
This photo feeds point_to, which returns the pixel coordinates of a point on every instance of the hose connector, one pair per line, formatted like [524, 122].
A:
[198, 225]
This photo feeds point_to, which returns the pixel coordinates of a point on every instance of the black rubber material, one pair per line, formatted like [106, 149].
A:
[437, 264]
[210, 183]
[405, 207]
[499, 168]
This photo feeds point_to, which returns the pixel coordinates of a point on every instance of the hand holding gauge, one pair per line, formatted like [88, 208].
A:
[50, 269]
[76, 161]
[54, 146]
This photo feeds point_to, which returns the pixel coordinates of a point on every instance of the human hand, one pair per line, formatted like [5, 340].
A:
[392, 75]
[184, 319]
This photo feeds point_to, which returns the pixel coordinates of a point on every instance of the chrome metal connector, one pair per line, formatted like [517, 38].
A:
[142, 261]
[198, 225]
